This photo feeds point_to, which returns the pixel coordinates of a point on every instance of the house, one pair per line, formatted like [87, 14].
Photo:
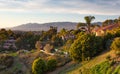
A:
[102, 30]
[68, 36]
[83, 28]
[10, 43]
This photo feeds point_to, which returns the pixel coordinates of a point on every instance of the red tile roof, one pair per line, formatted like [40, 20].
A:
[109, 27]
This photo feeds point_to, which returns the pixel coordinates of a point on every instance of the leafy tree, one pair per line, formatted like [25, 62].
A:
[3, 34]
[48, 48]
[88, 20]
[63, 32]
[68, 44]
[107, 22]
[38, 66]
[56, 40]
[27, 41]
[82, 47]
[47, 35]
[116, 44]
[51, 64]
[38, 45]
[10, 33]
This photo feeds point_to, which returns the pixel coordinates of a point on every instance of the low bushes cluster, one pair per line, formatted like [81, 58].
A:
[51, 64]
[116, 44]
[39, 66]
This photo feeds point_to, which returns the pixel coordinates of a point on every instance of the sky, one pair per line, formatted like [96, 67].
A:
[17, 12]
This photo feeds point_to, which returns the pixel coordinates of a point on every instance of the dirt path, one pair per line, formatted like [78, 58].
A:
[58, 70]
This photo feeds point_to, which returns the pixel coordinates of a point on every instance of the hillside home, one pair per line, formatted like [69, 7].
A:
[102, 30]
[68, 36]
[83, 28]
[10, 43]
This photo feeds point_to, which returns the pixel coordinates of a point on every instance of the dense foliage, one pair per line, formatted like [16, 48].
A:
[51, 64]
[27, 41]
[82, 47]
[38, 66]
[116, 44]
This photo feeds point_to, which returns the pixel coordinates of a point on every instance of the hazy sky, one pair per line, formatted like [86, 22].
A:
[17, 12]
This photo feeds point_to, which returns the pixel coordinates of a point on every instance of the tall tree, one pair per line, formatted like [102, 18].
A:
[88, 20]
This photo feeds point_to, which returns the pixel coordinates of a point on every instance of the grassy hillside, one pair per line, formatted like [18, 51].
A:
[105, 67]
[89, 65]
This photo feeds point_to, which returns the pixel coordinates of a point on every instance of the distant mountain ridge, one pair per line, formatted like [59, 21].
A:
[45, 26]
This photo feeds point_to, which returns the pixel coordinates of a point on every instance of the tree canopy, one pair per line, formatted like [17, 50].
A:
[88, 20]
[82, 47]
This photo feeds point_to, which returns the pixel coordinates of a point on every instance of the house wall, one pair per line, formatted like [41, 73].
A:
[100, 33]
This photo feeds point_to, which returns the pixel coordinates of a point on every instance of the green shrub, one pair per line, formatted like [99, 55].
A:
[38, 66]
[51, 64]
[83, 46]
[116, 44]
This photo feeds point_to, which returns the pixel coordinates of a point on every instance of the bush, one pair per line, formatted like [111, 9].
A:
[51, 64]
[38, 66]
[116, 44]
[6, 60]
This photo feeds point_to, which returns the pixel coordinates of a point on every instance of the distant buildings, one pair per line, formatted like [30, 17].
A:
[83, 28]
[68, 36]
[102, 30]
[10, 43]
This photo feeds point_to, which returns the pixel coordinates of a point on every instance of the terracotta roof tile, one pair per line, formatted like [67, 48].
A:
[109, 27]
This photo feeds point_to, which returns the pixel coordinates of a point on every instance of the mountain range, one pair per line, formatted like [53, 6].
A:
[46, 26]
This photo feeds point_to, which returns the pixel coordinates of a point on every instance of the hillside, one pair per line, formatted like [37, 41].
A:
[45, 26]
[97, 61]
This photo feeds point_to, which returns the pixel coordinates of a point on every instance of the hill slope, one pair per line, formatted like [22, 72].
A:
[75, 69]
[40, 27]
[45, 26]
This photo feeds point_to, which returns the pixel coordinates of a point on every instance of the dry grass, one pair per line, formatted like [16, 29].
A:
[89, 64]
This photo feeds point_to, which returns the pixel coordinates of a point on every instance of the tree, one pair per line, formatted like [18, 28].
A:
[108, 22]
[67, 45]
[47, 35]
[116, 44]
[56, 40]
[63, 32]
[27, 41]
[88, 20]
[38, 66]
[51, 64]
[10, 33]
[82, 47]
[48, 48]
[38, 45]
